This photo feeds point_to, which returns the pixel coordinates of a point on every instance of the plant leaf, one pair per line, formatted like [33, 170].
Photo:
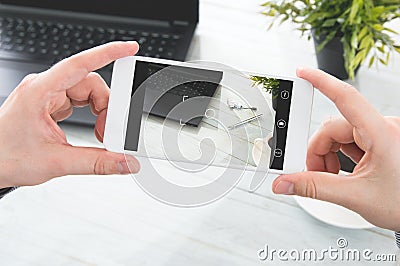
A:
[377, 11]
[271, 25]
[378, 27]
[371, 61]
[381, 48]
[390, 30]
[353, 11]
[365, 43]
[387, 58]
[327, 39]
[362, 33]
[329, 23]
[359, 58]
[354, 40]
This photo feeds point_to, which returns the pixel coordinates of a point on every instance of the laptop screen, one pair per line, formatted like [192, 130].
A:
[170, 10]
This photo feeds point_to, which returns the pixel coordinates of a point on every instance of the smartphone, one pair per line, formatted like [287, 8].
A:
[208, 114]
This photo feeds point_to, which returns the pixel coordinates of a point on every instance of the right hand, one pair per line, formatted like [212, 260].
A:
[369, 139]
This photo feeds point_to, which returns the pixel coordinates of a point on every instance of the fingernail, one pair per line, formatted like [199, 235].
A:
[284, 188]
[128, 167]
[134, 43]
[299, 70]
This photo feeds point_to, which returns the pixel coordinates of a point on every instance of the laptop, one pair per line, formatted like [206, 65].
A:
[167, 86]
[35, 34]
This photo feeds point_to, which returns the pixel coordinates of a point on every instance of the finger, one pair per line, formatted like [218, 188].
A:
[66, 105]
[100, 125]
[352, 151]
[64, 111]
[326, 142]
[332, 164]
[354, 107]
[96, 161]
[393, 120]
[98, 136]
[92, 89]
[93, 108]
[72, 70]
[346, 191]
[62, 115]
[79, 104]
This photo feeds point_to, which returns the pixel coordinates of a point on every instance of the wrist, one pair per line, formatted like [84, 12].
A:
[7, 174]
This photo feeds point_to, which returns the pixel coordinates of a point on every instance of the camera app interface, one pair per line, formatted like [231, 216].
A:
[208, 114]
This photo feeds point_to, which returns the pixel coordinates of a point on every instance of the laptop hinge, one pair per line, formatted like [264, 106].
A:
[180, 23]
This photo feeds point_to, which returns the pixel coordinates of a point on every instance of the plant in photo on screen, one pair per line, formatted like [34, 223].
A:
[270, 85]
[356, 29]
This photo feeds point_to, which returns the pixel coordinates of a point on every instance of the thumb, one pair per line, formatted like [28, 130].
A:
[89, 161]
[341, 190]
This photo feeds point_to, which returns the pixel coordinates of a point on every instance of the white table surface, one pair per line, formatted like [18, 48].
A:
[109, 220]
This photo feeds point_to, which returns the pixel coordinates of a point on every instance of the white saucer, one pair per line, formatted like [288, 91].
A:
[332, 214]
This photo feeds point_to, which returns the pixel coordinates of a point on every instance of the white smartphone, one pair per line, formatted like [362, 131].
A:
[208, 114]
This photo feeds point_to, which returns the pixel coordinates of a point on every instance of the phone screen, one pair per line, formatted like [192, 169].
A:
[208, 115]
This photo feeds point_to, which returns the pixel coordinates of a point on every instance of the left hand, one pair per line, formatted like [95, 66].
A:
[34, 149]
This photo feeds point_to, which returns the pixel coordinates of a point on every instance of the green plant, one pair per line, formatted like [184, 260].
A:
[359, 23]
[270, 85]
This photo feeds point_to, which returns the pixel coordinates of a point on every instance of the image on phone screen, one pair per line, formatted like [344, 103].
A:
[208, 116]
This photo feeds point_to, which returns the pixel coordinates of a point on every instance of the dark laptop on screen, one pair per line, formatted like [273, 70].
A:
[35, 34]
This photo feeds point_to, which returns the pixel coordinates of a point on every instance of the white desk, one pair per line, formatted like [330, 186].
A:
[88, 220]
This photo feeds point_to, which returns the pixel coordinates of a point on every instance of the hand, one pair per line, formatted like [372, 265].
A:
[34, 149]
[369, 139]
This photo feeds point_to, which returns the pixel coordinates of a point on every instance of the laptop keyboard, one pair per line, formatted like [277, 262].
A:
[188, 85]
[188, 89]
[50, 42]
